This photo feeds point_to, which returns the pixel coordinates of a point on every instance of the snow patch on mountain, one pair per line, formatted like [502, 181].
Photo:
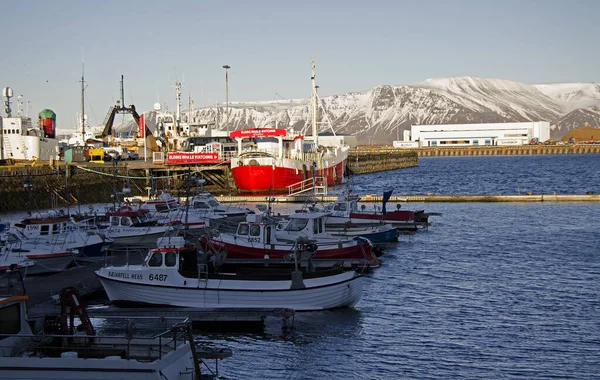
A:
[383, 112]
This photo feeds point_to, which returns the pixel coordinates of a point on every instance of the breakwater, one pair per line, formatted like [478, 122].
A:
[430, 198]
[523, 150]
[362, 161]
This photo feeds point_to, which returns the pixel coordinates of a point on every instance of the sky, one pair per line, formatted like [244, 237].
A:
[269, 45]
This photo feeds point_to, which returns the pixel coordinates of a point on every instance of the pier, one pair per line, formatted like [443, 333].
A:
[426, 198]
[521, 150]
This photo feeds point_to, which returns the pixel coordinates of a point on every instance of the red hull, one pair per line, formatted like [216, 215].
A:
[253, 178]
[401, 216]
[355, 253]
[394, 216]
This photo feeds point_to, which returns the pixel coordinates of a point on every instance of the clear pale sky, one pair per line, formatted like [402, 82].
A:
[269, 44]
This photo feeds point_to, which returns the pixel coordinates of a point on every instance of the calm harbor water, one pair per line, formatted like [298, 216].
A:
[489, 291]
[495, 291]
[563, 174]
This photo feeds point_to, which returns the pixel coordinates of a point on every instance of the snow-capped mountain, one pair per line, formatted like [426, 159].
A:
[382, 113]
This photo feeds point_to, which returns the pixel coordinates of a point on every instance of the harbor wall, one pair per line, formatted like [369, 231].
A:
[523, 150]
[429, 198]
[43, 187]
[362, 161]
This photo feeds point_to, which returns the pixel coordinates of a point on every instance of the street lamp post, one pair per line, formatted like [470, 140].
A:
[227, 67]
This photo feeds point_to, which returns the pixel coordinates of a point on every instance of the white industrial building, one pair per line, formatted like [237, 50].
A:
[443, 135]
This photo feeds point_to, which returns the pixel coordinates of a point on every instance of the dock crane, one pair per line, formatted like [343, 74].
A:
[120, 108]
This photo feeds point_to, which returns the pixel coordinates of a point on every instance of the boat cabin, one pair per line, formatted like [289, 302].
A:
[127, 217]
[307, 223]
[45, 224]
[164, 203]
[174, 253]
[256, 230]
[205, 202]
[13, 321]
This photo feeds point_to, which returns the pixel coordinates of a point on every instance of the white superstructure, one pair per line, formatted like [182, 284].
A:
[443, 135]
[23, 141]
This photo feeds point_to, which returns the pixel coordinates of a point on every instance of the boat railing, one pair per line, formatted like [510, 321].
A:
[319, 185]
[125, 337]
[202, 274]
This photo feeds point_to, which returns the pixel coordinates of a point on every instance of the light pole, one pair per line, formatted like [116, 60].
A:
[227, 67]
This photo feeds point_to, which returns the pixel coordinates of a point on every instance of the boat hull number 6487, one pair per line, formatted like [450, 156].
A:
[157, 277]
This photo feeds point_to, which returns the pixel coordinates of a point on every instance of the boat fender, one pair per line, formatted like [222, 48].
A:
[311, 247]
[130, 329]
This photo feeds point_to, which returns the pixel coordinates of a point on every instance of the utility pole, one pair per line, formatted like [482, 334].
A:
[227, 67]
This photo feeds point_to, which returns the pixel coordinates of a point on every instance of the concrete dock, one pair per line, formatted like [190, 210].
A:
[427, 198]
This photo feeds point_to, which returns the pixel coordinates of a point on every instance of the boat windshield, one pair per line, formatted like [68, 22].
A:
[296, 225]
[242, 229]
[200, 205]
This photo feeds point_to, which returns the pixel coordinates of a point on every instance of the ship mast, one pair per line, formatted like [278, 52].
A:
[313, 105]
[82, 106]
[178, 108]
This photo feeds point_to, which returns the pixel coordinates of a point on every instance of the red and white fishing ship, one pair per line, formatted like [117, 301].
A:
[280, 158]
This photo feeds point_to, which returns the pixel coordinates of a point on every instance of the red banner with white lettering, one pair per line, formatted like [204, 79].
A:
[191, 158]
[257, 133]
[142, 126]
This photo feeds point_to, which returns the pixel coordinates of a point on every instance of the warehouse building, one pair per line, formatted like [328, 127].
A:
[446, 135]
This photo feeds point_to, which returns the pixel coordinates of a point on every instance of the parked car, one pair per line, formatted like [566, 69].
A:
[112, 156]
[132, 155]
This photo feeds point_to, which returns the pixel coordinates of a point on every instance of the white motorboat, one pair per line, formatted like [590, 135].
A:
[130, 354]
[260, 238]
[47, 257]
[126, 225]
[56, 229]
[347, 208]
[174, 274]
[9, 260]
[206, 204]
[167, 209]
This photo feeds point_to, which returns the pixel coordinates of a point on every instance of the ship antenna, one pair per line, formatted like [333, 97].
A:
[82, 103]
[313, 104]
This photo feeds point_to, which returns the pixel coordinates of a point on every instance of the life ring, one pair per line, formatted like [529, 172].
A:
[240, 163]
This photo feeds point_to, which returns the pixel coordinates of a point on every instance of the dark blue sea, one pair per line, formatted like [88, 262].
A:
[489, 291]
[543, 174]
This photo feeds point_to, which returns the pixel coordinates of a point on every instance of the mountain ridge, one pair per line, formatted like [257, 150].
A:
[380, 114]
